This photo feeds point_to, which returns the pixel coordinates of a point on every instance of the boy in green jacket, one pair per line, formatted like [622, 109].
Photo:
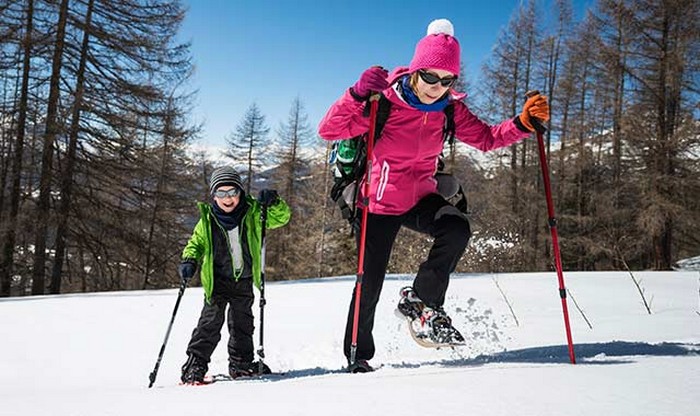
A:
[226, 243]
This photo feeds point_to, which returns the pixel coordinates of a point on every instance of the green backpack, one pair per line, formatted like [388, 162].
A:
[348, 158]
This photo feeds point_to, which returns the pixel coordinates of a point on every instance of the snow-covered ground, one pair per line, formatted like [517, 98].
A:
[91, 354]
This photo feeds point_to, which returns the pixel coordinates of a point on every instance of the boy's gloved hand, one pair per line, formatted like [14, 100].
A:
[268, 197]
[372, 80]
[186, 269]
[535, 107]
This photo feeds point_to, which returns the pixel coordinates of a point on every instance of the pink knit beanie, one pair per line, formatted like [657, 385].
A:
[439, 49]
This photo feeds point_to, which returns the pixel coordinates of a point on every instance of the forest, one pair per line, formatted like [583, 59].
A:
[98, 180]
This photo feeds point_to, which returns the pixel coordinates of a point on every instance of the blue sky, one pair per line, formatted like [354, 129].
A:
[269, 52]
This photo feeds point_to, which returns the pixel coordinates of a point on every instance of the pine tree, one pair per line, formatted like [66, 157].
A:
[294, 136]
[245, 142]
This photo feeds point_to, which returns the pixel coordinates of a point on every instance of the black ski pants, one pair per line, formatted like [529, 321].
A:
[207, 334]
[432, 215]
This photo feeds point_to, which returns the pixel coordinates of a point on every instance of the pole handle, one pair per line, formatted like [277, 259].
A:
[536, 123]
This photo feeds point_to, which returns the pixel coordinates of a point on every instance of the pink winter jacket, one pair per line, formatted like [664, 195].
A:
[404, 160]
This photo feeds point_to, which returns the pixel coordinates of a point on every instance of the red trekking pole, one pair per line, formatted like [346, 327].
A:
[540, 129]
[374, 103]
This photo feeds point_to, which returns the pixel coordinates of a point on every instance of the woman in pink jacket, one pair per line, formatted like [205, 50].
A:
[403, 188]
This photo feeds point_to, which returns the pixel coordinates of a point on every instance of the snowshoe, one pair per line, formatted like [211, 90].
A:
[194, 370]
[429, 327]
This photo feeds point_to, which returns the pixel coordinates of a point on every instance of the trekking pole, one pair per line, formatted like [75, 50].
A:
[261, 350]
[540, 129]
[374, 104]
[154, 373]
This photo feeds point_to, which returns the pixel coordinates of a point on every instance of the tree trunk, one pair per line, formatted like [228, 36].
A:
[168, 128]
[10, 235]
[67, 177]
[43, 210]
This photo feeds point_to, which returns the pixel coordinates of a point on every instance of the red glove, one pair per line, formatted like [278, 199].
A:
[535, 107]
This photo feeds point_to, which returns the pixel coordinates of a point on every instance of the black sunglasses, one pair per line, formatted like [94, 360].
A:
[231, 192]
[432, 79]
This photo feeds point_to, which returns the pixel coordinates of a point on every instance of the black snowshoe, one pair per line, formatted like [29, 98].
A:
[429, 327]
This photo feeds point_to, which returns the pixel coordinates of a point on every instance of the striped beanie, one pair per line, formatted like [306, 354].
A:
[224, 176]
[439, 49]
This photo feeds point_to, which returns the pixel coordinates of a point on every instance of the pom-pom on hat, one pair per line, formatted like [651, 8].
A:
[439, 49]
[224, 176]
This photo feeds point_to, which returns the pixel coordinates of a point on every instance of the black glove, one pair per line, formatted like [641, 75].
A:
[186, 269]
[268, 197]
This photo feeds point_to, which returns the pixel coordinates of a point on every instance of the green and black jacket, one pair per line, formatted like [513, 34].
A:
[200, 245]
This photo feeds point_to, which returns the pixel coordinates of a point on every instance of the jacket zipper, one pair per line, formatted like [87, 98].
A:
[418, 152]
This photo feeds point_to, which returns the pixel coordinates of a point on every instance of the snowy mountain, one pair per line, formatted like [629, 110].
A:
[91, 354]
[216, 154]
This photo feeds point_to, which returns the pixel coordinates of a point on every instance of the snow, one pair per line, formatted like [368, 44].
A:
[91, 354]
[692, 263]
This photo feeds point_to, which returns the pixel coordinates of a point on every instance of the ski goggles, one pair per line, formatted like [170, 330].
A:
[432, 79]
[231, 193]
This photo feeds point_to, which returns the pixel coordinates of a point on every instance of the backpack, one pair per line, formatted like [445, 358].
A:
[348, 159]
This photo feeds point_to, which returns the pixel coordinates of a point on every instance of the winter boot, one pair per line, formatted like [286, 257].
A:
[194, 370]
[238, 369]
[359, 366]
[410, 304]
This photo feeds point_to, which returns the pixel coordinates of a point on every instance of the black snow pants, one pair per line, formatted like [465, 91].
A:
[432, 215]
[207, 334]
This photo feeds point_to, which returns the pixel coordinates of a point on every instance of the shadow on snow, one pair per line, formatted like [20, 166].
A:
[587, 354]
[594, 353]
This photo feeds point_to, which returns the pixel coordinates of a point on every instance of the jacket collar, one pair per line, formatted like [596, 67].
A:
[399, 72]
